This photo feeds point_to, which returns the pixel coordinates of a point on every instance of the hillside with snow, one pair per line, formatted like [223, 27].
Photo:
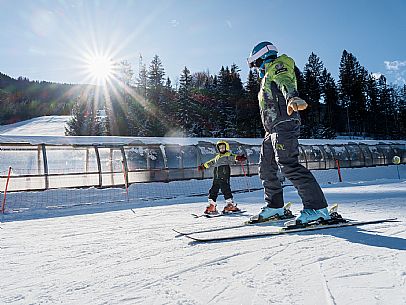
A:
[42, 126]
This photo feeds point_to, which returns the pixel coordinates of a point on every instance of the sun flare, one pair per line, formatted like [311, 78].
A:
[100, 68]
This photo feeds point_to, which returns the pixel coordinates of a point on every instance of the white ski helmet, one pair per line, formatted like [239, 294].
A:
[261, 52]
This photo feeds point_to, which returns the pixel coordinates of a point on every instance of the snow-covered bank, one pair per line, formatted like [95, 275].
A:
[133, 257]
[42, 126]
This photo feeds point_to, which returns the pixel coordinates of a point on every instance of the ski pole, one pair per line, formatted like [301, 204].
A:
[245, 175]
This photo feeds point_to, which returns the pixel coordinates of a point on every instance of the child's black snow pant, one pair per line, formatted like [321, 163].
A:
[221, 180]
[281, 147]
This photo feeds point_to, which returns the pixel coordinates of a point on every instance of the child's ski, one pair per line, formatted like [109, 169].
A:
[217, 215]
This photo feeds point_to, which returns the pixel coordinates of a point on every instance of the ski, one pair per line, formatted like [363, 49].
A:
[217, 215]
[286, 230]
[240, 225]
[250, 222]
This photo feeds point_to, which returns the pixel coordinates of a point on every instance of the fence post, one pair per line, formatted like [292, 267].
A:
[44, 157]
[125, 169]
[3, 206]
[125, 178]
[339, 170]
[99, 168]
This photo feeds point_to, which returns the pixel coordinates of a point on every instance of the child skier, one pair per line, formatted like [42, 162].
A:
[279, 104]
[221, 178]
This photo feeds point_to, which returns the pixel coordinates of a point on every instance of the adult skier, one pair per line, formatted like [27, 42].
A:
[279, 104]
[221, 177]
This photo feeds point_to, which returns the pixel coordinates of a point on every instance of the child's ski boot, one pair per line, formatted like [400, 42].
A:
[211, 209]
[230, 207]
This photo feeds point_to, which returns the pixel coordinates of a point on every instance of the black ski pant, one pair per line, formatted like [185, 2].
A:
[224, 185]
[281, 148]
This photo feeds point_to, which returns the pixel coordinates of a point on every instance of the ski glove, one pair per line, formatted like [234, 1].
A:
[296, 104]
[201, 167]
[241, 158]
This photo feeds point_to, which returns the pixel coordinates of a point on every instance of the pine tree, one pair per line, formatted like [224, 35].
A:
[155, 79]
[119, 98]
[84, 120]
[236, 101]
[168, 101]
[372, 105]
[154, 102]
[397, 104]
[330, 96]
[142, 79]
[312, 74]
[385, 106]
[185, 104]
[226, 102]
[252, 118]
[352, 91]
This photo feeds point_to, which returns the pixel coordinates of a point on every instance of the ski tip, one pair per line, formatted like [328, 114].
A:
[180, 234]
[393, 220]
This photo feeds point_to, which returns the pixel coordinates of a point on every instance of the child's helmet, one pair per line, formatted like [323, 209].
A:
[261, 52]
[221, 142]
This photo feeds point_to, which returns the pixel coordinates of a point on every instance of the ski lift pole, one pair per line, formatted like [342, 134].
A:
[3, 206]
[245, 175]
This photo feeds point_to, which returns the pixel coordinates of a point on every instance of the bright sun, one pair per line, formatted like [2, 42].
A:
[100, 68]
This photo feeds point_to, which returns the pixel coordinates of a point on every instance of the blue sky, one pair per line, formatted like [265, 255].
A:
[48, 40]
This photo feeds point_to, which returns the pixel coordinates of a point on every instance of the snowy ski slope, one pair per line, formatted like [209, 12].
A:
[133, 257]
[128, 254]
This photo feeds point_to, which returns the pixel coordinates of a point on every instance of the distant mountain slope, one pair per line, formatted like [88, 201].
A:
[53, 125]
[22, 99]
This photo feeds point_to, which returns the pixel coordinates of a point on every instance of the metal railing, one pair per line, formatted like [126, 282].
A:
[53, 164]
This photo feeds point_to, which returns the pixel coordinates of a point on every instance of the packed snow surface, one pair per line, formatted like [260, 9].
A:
[45, 126]
[130, 255]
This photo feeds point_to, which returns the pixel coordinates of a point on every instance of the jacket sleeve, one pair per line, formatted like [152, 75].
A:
[282, 72]
[209, 163]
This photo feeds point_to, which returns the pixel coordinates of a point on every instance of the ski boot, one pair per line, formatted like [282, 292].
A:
[211, 208]
[308, 217]
[268, 214]
[230, 207]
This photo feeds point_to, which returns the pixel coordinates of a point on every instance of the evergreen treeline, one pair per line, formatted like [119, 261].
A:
[22, 99]
[222, 105]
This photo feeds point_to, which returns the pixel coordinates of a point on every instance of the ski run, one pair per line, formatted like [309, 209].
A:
[131, 255]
